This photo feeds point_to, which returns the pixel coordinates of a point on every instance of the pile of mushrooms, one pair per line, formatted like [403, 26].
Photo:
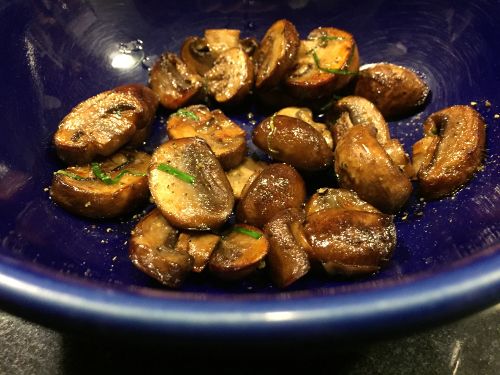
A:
[202, 176]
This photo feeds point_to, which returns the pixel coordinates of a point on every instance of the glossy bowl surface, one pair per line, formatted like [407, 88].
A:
[64, 270]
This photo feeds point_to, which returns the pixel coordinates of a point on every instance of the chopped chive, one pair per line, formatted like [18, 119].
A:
[325, 38]
[69, 174]
[107, 179]
[176, 173]
[332, 71]
[248, 232]
[185, 113]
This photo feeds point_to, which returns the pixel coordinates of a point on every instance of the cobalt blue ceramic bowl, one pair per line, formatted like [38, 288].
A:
[68, 271]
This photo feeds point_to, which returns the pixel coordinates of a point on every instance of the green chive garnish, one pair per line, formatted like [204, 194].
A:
[330, 37]
[332, 71]
[248, 232]
[185, 113]
[177, 173]
[69, 174]
[107, 179]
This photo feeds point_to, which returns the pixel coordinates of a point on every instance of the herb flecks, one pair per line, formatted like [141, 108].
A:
[248, 232]
[107, 179]
[176, 173]
[345, 71]
[187, 114]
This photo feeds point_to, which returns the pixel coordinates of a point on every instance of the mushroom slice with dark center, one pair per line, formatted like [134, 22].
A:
[291, 140]
[362, 165]
[276, 54]
[350, 111]
[395, 90]
[225, 138]
[153, 249]
[112, 188]
[350, 242]
[173, 82]
[287, 258]
[275, 188]
[451, 151]
[196, 54]
[327, 61]
[189, 185]
[102, 124]
[239, 253]
[231, 77]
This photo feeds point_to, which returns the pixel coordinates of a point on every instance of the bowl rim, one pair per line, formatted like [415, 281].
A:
[437, 296]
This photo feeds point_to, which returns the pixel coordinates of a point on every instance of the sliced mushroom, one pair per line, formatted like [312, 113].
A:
[123, 186]
[196, 54]
[362, 165]
[102, 124]
[287, 258]
[153, 249]
[306, 115]
[326, 198]
[350, 242]
[276, 54]
[220, 40]
[277, 187]
[189, 185]
[451, 151]
[239, 176]
[231, 77]
[355, 110]
[224, 136]
[250, 46]
[239, 253]
[327, 61]
[199, 245]
[395, 90]
[291, 140]
[174, 83]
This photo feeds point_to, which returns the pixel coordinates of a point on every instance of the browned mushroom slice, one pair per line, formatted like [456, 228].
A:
[326, 62]
[189, 186]
[350, 242]
[153, 249]
[224, 136]
[276, 54]
[231, 77]
[355, 110]
[250, 46]
[291, 140]
[173, 82]
[363, 165]
[453, 153]
[395, 90]
[102, 124]
[196, 54]
[277, 187]
[220, 40]
[306, 115]
[287, 258]
[103, 190]
[239, 253]
[199, 245]
[326, 198]
[239, 176]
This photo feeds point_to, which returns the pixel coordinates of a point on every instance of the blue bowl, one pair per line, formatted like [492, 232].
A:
[68, 271]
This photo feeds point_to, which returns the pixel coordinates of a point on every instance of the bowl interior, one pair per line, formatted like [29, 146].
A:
[60, 53]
